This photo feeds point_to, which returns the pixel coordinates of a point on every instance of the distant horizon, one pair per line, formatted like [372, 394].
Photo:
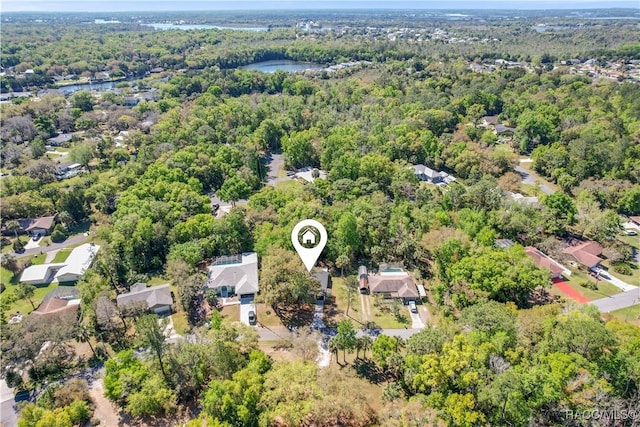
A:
[115, 6]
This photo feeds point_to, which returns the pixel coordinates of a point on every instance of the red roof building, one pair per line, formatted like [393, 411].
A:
[586, 253]
[544, 262]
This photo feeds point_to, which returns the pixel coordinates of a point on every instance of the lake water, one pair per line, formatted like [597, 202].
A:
[187, 27]
[100, 86]
[282, 64]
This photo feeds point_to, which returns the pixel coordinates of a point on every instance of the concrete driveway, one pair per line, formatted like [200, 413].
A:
[604, 274]
[246, 305]
[8, 415]
[416, 320]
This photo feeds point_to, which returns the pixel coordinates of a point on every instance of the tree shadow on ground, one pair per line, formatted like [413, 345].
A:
[295, 316]
[367, 369]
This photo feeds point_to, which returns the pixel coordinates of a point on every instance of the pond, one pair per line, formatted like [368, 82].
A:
[282, 64]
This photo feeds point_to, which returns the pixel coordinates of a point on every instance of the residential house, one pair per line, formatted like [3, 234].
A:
[68, 170]
[72, 269]
[503, 130]
[34, 226]
[77, 263]
[309, 174]
[504, 243]
[234, 275]
[635, 219]
[489, 122]
[425, 173]
[544, 262]
[157, 299]
[40, 274]
[519, 198]
[586, 253]
[59, 140]
[41, 226]
[392, 283]
[61, 301]
[322, 276]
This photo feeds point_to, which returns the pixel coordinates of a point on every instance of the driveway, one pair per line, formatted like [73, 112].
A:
[527, 178]
[416, 320]
[246, 305]
[618, 301]
[8, 415]
[604, 274]
[71, 241]
[274, 163]
[318, 314]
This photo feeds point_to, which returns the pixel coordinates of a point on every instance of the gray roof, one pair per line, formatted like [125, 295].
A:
[402, 285]
[153, 296]
[242, 275]
[322, 277]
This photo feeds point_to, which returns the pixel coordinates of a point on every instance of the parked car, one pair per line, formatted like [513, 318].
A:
[252, 317]
[36, 237]
[412, 307]
[630, 232]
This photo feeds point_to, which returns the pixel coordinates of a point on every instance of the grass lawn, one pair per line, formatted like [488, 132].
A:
[383, 316]
[232, 312]
[289, 185]
[7, 277]
[340, 300]
[266, 316]
[629, 314]
[38, 259]
[61, 256]
[180, 323]
[24, 306]
[158, 280]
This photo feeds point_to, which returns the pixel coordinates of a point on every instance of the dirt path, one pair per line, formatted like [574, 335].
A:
[568, 291]
[105, 410]
[364, 305]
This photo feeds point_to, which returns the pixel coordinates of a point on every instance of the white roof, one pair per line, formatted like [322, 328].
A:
[79, 260]
[38, 273]
[243, 276]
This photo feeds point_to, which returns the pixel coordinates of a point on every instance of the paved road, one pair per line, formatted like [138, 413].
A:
[618, 301]
[71, 241]
[275, 162]
[527, 178]
[8, 416]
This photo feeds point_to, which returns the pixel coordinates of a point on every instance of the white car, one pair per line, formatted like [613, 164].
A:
[630, 232]
[412, 307]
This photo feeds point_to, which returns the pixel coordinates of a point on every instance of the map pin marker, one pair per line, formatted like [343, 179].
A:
[309, 237]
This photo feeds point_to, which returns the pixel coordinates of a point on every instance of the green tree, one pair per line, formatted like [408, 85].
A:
[151, 335]
[82, 153]
[25, 292]
[82, 100]
[234, 189]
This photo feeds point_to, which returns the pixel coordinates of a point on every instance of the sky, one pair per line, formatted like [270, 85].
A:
[177, 5]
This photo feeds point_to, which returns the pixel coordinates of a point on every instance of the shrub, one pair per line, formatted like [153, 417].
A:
[622, 268]
[589, 285]
[59, 234]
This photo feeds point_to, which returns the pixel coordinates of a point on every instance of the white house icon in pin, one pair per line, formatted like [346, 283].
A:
[308, 238]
